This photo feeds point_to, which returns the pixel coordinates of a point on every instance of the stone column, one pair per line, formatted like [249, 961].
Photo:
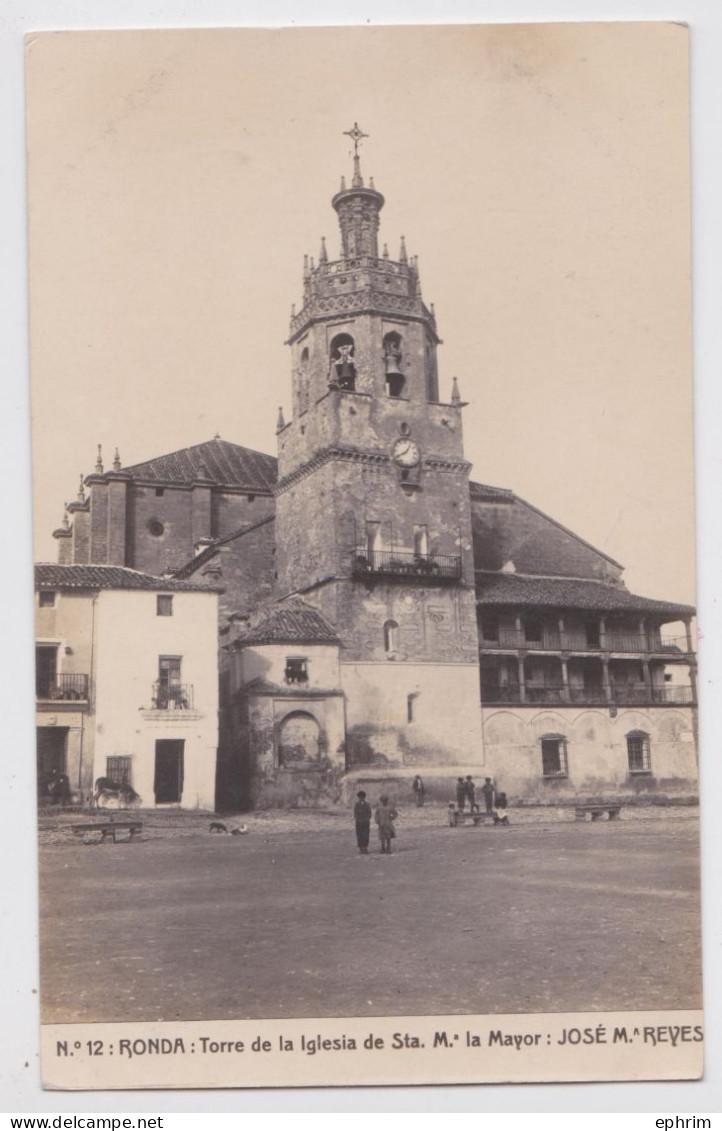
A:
[602, 633]
[522, 680]
[688, 633]
[606, 682]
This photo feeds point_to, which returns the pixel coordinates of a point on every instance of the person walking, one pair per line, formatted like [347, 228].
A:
[419, 791]
[471, 794]
[460, 794]
[488, 790]
[362, 817]
[385, 817]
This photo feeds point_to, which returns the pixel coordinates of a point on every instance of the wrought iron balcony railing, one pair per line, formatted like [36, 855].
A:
[406, 564]
[66, 686]
[172, 697]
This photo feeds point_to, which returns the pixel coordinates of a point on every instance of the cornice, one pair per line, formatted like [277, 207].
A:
[354, 455]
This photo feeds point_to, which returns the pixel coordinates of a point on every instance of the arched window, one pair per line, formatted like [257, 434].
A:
[393, 354]
[391, 636]
[638, 752]
[343, 366]
[554, 756]
[298, 739]
[303, 380]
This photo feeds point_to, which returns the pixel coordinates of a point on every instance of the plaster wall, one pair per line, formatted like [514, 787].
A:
[130, 639]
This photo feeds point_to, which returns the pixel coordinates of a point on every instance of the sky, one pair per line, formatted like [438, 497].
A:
[540, 173]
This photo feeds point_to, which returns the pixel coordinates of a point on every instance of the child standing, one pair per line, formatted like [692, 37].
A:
[385, 817]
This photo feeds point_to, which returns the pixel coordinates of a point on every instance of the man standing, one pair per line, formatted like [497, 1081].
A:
[460, 794]
[362, 817]
[471, 794]
[488, 790]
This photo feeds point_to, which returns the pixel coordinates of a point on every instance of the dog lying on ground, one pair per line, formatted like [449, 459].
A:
[219, 827]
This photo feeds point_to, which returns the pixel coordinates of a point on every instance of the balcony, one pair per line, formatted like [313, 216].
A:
[631, 695]
[511, 640]
[64, 687]
[420, 568]
[172, 697]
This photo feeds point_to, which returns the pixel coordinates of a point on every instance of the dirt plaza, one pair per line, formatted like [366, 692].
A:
[548, 915]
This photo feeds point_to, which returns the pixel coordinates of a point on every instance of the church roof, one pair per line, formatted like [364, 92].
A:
[226, 464]
[487, 493]
[292, 622]
[48, 575]
[569, 593]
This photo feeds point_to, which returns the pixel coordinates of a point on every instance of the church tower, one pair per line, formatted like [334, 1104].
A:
[373, 522]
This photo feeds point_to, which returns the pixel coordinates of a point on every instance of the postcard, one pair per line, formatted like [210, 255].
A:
[365, 612]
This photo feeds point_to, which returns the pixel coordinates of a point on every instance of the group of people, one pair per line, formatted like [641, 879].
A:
[384, 815]
[495, 801]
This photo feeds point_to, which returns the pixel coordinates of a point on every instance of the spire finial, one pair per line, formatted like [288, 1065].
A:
[455, 394]
[356, 136]
[280, 423]
[66, 518]
[323, 254]
[81, 489]
[386, 251]
[403, 257]
[116, 461]
[99, 461]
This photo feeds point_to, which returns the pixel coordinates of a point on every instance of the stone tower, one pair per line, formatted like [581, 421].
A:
[373, 512]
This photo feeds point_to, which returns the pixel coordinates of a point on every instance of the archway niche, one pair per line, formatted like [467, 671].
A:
[343, 366]
[299, 739]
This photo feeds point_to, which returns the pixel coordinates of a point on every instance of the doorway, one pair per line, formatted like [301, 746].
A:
[52, 746]
[168, 784]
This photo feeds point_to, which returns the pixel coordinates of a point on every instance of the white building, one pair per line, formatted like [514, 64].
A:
[127, 684]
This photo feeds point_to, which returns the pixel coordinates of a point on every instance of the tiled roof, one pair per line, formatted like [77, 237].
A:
[492, 494]
[293, 622]
[228, 465]
[212, 548]
[569, 593]
[51, 576]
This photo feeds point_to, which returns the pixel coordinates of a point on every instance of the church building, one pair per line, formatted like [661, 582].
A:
[381, 615]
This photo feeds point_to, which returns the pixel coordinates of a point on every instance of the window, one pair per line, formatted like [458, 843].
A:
[156, 528]
[395, 379]
[170, 693]
[164, 605]
[46, 600]
[391, 636]
[117, 770]
[410, 701]
[46, 671]
[159, 492]
[554, 756]
[296, 669]
[638, 752]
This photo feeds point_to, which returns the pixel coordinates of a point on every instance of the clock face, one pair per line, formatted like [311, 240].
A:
[406, 453]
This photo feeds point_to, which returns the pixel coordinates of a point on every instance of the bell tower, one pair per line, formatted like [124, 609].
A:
[373, 517]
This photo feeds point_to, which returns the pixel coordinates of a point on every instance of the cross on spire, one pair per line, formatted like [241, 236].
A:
[356, 135]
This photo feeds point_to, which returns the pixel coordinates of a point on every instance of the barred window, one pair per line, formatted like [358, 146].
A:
[638, 752]
[296, 669]
[118, 769]
[554, 756]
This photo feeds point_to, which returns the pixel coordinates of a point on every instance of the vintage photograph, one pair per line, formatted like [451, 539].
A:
[365, 608]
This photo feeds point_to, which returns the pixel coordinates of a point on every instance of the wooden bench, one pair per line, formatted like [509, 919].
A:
[597, 810]
[476, 818]
[110, 828]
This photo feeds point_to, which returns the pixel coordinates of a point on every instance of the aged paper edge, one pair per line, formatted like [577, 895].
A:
[501, 1048]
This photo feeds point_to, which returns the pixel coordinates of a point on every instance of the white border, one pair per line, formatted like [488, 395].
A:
[18, 1021]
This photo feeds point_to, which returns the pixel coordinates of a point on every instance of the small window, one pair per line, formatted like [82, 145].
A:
[554, 756]
[164, 605]
[251, 498]
[118, 770]
[46, 600]
[410, 701]
[638, 752]
[156, 528]
[159, 492]
[296, 669]
[391, 636]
